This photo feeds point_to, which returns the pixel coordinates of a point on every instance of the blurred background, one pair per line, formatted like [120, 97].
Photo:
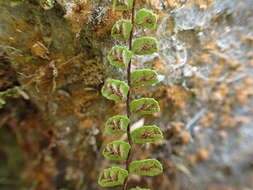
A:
[52, 114]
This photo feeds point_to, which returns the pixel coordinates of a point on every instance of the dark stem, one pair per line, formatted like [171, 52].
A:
[129, 157]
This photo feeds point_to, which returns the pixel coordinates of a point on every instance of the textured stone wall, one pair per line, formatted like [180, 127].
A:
[53, 64]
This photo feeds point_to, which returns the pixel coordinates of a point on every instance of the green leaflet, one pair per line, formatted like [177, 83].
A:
[146, 19]
[113, 176]
[121, 30]
[147, 134]
[119, 56]
[148, 167]
[122, 5]
[115, 90]
[142, 77]
[12, 92]
[117, 150]
[144, 106]
[145, 45]
[138, 188]
[117, 124]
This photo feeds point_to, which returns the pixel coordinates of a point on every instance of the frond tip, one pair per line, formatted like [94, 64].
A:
[113, 176]
[147, 134]
[115, 90]
[117, 150]
[144, 106]
[148, 167]
[119, 56]
[117, 125]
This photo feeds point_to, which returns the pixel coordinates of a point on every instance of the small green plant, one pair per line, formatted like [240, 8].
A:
[14, 92]
[120, 91]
